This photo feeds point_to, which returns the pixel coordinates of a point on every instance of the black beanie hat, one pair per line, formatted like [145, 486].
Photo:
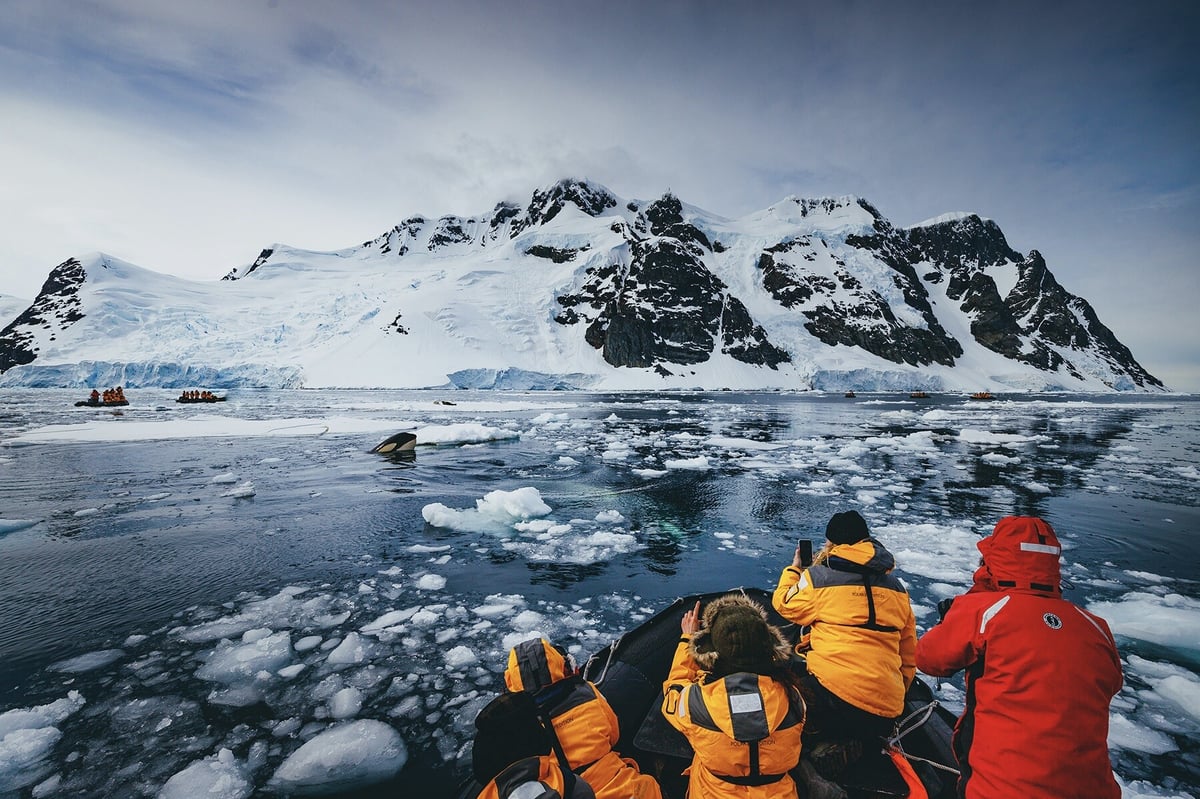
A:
[846, 528]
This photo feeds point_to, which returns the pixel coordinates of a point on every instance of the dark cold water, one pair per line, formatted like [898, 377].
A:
[243, 576]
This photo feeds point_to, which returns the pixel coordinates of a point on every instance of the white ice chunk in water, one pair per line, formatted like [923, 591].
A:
[217, 777]
[27, 737]
[353, 649]
[239, 663]
[460, 656]
[1183, 691]
[346, 703]
[497, 511]
[1172, 621]
[1123, 733]
[89, 661]
[698, 463]
[431, 582]
[465, 433]
[343, 758]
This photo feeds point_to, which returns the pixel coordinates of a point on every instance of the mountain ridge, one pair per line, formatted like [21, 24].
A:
[581, 288]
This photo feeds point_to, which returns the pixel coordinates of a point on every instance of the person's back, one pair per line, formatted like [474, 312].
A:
[584, 722]
[1040, 674]
[725, 694]
[863, 631]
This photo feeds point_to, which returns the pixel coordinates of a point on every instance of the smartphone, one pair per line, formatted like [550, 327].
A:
[806, 556]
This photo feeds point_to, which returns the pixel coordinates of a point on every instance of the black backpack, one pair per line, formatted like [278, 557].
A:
[511, 728]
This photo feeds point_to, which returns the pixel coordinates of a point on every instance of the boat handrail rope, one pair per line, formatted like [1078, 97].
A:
[904, 727]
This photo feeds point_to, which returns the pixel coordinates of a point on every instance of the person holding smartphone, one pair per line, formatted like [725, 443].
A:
[860, 649]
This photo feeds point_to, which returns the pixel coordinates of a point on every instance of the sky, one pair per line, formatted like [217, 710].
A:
[186, 138]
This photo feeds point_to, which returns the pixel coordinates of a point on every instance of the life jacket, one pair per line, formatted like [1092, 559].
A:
[583, 721]
[863, 632]
[743, 728]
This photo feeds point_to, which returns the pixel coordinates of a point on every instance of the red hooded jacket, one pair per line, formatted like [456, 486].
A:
[1040, 673]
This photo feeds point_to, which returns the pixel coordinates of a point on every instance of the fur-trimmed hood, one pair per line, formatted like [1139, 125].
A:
[741, 628]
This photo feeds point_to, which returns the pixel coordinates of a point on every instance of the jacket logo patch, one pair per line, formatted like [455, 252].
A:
[745, 703]
[1052, 621]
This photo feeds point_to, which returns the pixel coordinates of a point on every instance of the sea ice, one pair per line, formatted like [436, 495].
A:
[88, 661]
[460, 656]
[216, 777]
[698, 463]
[239, 663]
[497, 511]
[342, 758]
[431, 582]
[27, 737]
[12, 525]
[353, 649]
[346, 703]
[1172, 621]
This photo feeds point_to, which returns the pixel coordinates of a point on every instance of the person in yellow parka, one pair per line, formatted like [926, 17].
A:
[586, 726]
[862, 643]
[731, 693]
[515, 756]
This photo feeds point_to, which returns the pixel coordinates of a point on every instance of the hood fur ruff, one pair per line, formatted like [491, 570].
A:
[701, 646]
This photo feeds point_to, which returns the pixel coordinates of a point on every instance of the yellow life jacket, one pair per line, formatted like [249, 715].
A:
[744, 729]
[863, 635]
[584, 722]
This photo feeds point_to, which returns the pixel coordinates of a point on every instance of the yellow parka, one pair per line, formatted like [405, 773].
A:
[584, 722]
[864, 634]
[744, 729]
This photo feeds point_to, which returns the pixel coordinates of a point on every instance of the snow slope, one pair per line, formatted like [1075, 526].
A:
[479, 303]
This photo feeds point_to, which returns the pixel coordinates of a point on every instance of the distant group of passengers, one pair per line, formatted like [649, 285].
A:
[197, 395]
[110, 395]
[1035, 722]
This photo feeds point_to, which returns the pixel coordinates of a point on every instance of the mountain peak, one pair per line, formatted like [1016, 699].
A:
[589, 197]
[817, 293]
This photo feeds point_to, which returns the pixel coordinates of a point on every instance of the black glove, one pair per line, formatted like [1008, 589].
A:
[943, 607]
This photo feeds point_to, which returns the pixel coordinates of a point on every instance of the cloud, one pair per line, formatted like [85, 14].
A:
[186, 137]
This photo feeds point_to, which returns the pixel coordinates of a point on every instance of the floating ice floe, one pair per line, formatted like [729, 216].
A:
[343, 758]
[27, 738]
[1171, 621]
[12, 525]
[218, 777]
[464, 433]
[497, 511]
[89, 661]
[243, 491]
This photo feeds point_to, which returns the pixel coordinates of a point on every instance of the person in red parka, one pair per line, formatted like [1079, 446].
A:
[1040, 673]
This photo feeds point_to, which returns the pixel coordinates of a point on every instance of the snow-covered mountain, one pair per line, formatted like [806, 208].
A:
[584, 289]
